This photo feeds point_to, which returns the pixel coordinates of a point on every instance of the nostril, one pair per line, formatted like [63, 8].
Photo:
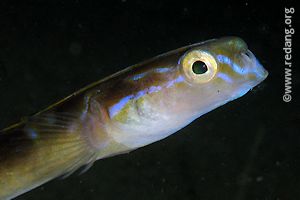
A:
[248, 56]
[247, 53]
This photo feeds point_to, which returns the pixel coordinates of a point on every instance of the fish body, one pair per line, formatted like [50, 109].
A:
[127, 110]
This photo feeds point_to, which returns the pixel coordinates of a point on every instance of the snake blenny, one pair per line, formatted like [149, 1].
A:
[132, 108]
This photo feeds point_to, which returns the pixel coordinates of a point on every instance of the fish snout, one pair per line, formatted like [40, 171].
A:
[253, 67]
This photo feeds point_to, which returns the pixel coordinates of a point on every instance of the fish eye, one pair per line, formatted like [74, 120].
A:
[198, 66]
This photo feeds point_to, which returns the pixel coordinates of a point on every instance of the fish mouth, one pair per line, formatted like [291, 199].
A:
[253, 71]
[254, 66]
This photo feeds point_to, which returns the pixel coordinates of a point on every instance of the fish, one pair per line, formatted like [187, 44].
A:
[137, 106]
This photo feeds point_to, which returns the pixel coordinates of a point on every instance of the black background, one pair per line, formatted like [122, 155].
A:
[247, 149]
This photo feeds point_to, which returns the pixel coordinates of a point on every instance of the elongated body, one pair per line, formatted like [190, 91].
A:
[130, 109]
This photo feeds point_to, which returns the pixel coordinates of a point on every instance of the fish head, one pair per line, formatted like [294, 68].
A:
[217, 72]
[234, 67]
[173, 89]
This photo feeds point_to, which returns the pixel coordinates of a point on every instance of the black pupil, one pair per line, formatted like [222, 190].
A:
[199, 67]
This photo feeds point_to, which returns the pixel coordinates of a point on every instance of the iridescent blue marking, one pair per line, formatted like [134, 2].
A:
[113, 110]
[162, 70]
[118, 106]
[225, 77]
[238, 69]
[138, 76]
[140, 94]
[154, 89]
[86, 102]
[177, 80]
[224, 59]
[32, 134]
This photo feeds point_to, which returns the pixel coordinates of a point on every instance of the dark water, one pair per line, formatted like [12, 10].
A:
[247, 149]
